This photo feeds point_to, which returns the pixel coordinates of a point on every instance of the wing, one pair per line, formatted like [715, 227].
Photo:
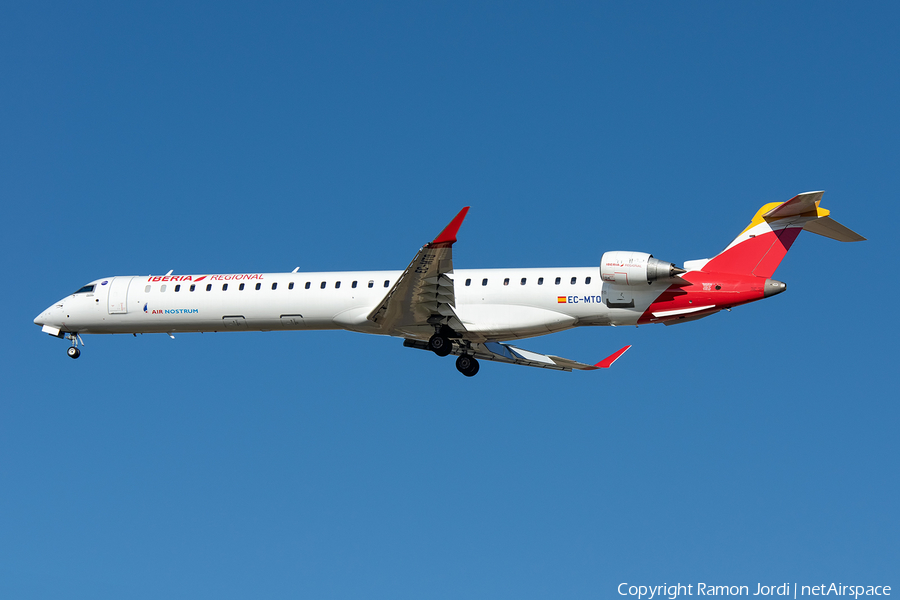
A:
[423, 295]
[517, 356]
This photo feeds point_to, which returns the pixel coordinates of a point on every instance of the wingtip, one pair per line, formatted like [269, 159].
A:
[609, 360]
[448, 235]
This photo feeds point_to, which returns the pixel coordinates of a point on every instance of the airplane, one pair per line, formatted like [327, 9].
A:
[472, 314]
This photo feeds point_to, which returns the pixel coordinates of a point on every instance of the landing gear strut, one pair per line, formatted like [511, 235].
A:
[467, 365]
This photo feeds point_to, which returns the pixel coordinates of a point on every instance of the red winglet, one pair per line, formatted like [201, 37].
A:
[609, 360]
[448, 235]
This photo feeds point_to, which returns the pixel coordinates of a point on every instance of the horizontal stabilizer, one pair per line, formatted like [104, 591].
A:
[798, 205]
[828, 227]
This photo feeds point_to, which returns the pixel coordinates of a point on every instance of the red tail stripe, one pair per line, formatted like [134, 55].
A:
[758, 256]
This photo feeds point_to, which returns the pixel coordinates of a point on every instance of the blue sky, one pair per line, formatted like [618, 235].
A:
[754, 446]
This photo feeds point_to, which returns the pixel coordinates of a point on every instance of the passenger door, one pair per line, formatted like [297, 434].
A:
[118, 295]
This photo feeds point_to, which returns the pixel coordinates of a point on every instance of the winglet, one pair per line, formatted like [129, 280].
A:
[609, 360]
[448, 236]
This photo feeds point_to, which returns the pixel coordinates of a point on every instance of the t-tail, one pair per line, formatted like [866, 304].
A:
[759, 248]
[742, 272]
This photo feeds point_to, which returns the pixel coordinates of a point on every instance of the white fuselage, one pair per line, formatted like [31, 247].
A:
[493, 304]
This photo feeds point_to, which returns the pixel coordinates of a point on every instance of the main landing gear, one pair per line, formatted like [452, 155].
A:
[441, 345]
[467, 365]
[73, 351]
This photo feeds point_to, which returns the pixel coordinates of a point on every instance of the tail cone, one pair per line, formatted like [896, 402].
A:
[773, 287]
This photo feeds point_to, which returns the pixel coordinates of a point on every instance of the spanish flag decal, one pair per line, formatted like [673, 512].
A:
[560, 299]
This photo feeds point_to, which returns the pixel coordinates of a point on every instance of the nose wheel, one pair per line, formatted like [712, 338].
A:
[73, 352]
[467, 365]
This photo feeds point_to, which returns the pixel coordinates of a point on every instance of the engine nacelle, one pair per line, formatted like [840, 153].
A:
[635, 268]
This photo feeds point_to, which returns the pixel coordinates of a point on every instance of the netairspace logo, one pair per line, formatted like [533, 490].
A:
[649, 592]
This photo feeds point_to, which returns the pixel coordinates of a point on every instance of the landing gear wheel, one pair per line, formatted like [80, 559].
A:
[440, 345]
[466, 365]
[73, 352]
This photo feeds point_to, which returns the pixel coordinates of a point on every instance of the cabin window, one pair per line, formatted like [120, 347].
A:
[241, 287]
[540, 281]
[353, 285]
[275, 285]
[484, 281]
[468, 282]
[208, 287]
[146, 289]
[193, 287]
[224, 287]
[558, 280]
[291, 285]
[587, 280]
[162, 288]
[178, 288]
[306, 286]
[523, 281]
[574, 279]
[322, 286]
[258, 285]
[506, 281]
[337, 285]
[371, 284]
[387, 283]
[85, 289]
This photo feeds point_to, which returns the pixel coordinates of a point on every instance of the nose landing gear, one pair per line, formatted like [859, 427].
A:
[73, 351]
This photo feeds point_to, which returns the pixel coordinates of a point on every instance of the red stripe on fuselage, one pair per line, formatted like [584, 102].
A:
[733, 290]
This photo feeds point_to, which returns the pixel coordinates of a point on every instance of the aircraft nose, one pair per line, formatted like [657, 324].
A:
[43, 318]
[46, 317]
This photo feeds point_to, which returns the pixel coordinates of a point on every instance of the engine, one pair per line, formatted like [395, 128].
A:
[635, 268]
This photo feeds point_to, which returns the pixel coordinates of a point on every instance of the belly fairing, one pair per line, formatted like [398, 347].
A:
[509, 321]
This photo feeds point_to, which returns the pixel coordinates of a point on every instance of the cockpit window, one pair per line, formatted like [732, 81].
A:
[85, 289]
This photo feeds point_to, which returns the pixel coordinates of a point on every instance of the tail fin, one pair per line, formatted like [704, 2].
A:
[759, 249]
